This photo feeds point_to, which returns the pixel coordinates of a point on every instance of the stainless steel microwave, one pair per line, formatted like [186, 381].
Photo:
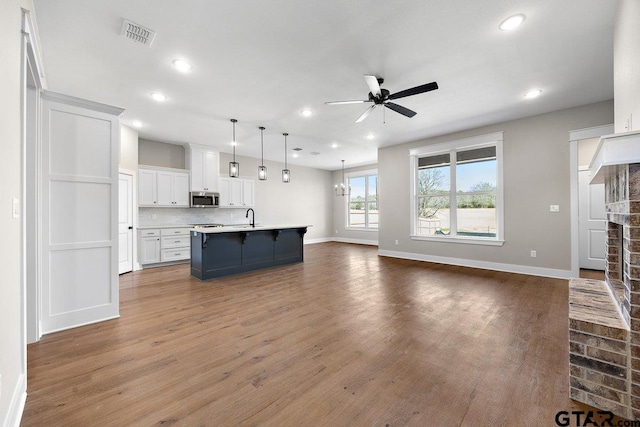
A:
[204, 199]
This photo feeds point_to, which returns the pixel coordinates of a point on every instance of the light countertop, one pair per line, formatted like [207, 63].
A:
[239, 228]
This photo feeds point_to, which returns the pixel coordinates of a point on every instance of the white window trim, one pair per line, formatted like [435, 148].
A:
[348, 175]
[480, 141]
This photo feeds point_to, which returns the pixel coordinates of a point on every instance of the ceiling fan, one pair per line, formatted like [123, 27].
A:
[382, 97]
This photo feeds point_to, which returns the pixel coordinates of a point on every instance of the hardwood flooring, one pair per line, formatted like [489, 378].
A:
[345, 338]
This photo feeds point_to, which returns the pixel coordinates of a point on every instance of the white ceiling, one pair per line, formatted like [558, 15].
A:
[263, 61]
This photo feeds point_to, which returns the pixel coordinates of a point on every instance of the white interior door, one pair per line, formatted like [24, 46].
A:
[592, 223]
[125, 223]
[79, 175]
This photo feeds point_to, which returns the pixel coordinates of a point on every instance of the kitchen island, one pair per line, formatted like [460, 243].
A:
[222, 251]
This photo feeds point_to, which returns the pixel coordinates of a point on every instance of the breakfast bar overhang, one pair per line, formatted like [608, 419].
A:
[223, 251]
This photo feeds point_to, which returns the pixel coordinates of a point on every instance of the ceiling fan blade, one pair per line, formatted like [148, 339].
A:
[374, 86]
[400, 109]
[414, 90]
[346, 102]
[365, 114]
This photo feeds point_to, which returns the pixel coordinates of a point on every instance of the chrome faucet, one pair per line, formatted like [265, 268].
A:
[253, 217]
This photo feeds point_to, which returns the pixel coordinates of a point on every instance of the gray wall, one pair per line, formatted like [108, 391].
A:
[340, 233]
[129, 148]
[536, 174]
[154, 153]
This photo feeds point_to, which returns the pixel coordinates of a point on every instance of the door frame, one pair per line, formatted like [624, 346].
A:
[574, 137]
[134, 206]
[32, 73]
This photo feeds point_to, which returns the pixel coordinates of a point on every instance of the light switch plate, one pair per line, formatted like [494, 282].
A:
[554, 208]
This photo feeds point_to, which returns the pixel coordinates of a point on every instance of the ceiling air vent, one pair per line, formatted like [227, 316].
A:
[137, 33]
[297, 149]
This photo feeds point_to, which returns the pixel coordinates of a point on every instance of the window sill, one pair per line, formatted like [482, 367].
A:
[361, 229]
[464, 240]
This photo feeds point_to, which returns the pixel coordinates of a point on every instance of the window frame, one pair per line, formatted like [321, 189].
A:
[364, 174]
[452, 147]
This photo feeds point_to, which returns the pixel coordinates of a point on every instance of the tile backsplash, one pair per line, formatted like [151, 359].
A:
[187, 216]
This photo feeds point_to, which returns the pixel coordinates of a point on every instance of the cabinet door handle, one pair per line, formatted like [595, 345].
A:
[178, 254]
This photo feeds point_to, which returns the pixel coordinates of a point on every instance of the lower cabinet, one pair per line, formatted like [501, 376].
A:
[164, 245]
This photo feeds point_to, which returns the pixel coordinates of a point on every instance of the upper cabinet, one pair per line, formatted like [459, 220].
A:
[237, 193]
[204, 164]
[163, 187]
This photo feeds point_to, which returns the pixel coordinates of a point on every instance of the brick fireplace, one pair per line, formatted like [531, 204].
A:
[604, 316]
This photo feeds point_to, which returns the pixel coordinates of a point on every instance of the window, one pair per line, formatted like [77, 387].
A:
[362, 206]
[457, 194]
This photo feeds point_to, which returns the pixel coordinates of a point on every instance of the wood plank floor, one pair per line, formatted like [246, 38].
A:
[346, 338]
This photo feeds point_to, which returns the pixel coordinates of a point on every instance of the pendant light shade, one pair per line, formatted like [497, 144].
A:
[262, 169]
[286, 173]
[234, 167]
[341, 189]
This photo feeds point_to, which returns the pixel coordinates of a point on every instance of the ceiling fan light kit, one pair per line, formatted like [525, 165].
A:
[383, 97]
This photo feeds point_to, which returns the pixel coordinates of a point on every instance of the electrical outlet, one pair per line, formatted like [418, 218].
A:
[554, 208]
[396, 242]
[336, 231]
[154, 216]
[533, 254]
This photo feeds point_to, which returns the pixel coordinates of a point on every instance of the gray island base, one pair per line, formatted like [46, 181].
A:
[223, 251]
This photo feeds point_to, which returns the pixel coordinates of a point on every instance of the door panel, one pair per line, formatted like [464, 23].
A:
[591, 223]
[125, 223]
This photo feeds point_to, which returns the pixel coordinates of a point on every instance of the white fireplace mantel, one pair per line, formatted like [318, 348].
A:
[613, 151]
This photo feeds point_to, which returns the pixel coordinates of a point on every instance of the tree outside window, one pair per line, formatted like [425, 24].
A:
[457, 191]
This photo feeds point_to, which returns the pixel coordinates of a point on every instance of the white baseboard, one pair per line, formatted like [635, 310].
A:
[314, 241]
[509, 268]
[16, 407]
[91, 322]
[356, 241]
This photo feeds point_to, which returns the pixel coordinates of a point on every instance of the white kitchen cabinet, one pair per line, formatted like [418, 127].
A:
[248, 192]
[149, 247]
[236, 193]
[164, 245]
[163, 187]
[204, 164]
[147, 190]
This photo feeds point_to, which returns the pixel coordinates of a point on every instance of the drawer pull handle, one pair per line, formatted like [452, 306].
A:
[176, 241]
[177, 254]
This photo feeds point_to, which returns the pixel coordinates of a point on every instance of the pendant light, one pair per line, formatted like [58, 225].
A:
[341, 188]
[234, 167]
[286, 173]
[262, 169]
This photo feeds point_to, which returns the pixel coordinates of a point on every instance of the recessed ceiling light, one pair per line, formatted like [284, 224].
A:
[295, 155]
[158, 96]
[512, 22]
[334, 145]
[532, 94]
[306, 112]
[136, 123]
[371, 136]
[181, 65]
